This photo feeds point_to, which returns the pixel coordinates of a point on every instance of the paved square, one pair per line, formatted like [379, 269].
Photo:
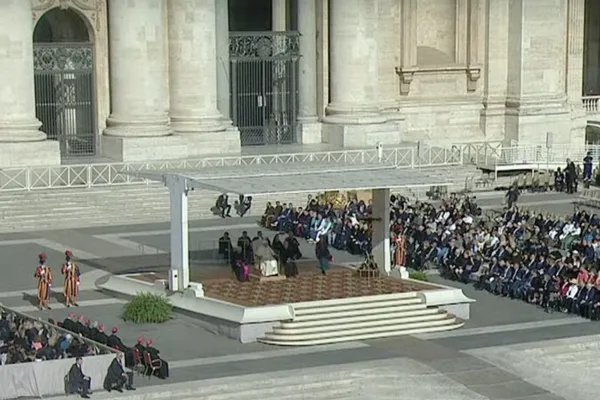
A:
[19, 262]
[566, 367]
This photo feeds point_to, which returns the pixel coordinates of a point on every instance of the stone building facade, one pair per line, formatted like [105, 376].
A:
[135, 80]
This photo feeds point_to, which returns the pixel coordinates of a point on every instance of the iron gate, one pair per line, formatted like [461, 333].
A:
[264, 86]
[65, 95]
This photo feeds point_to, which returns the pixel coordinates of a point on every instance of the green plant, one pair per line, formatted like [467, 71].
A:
[148, 308]
[418, 276]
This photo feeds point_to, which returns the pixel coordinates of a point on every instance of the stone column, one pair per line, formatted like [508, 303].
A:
[21, 141]
[536, 101]
[353, 116]
[381, 230]
[137, 69]
[354, 61]
[223, 67]
[575, 60]
[496, 74]
[193, 67]
[279, 15]
[310, 128]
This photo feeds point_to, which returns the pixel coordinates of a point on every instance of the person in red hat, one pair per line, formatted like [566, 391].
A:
[100, 336]
[69, 322]
[79, 325]
[161, 366]
[115, 341]
[71, 272]
[44, 277]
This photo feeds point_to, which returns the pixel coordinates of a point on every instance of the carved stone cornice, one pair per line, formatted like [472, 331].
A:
[90, 8]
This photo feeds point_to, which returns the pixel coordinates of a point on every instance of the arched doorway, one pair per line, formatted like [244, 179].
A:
[63, 57]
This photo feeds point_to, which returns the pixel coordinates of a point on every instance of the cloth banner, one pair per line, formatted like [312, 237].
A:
[47, 378]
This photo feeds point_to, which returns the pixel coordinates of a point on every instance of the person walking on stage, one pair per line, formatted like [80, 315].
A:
[44, 277]
[323, 254]
[71, 272]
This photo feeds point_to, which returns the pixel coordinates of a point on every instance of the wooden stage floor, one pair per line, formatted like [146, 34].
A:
[309, 285]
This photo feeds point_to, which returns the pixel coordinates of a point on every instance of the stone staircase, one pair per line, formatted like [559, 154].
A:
[67, 208]
[359, 318]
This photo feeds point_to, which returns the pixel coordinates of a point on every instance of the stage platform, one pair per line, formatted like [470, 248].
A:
[310, 309]
[310, 285]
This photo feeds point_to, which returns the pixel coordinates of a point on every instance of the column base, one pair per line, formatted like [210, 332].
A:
[224, 143]
[310, 132]
[136, 149]
[29, 154]
[364, 135]
[493, 120]
[529, 122]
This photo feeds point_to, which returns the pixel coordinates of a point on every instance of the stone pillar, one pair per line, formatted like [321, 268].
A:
[536, 101]
[193, 67]
[353, 116]
[575, 27]
[496, 75]
[279, 15]
[381, 230]
[138, 127]
[223, 67]
[389, 40]
[21, 141]
[310, 128]
[193, 78]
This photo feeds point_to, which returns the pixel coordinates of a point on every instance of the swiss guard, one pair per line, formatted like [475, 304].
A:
[44, 278]
[71, 272]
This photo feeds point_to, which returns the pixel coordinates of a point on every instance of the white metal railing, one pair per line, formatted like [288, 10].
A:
[540, 156]
[112, 174]
[478, 153]
[591, 104]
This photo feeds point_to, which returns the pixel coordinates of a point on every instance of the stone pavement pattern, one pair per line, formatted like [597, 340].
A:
[446, 363]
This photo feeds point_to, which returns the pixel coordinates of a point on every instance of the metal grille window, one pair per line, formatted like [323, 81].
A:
[65, 95]
[264, 86]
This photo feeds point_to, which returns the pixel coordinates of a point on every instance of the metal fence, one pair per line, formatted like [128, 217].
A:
[114, 174]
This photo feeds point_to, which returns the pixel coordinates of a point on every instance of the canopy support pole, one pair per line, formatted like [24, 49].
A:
[179, 272]
[381, 230]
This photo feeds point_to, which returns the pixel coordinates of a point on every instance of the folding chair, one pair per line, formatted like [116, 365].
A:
[138, 366]
[151, 365]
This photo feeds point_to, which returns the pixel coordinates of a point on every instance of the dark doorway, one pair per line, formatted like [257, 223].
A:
[64, 81]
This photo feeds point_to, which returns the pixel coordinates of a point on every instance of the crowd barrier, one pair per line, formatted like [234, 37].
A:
[47, 378]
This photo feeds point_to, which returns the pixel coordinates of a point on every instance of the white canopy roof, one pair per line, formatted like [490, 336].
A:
[306, 178]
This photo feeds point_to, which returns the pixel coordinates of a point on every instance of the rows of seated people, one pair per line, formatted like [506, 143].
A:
[249, 251]
[25, 340]
[346, 228]
[543, 259]
[143, 353]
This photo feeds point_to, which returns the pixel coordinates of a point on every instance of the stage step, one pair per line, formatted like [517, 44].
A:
[351, 319]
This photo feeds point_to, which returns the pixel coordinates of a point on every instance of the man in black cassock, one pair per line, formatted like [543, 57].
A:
[78, 381]
[116, 377]
[163, 371]
[115, 342]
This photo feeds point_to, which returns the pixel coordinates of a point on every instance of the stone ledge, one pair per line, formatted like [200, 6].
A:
[29, 154]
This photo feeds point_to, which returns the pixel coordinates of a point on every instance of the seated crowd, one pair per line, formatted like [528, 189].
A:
[346, 228]
[141, 354]
[25, 340]
[541, 259]
[546, 260]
